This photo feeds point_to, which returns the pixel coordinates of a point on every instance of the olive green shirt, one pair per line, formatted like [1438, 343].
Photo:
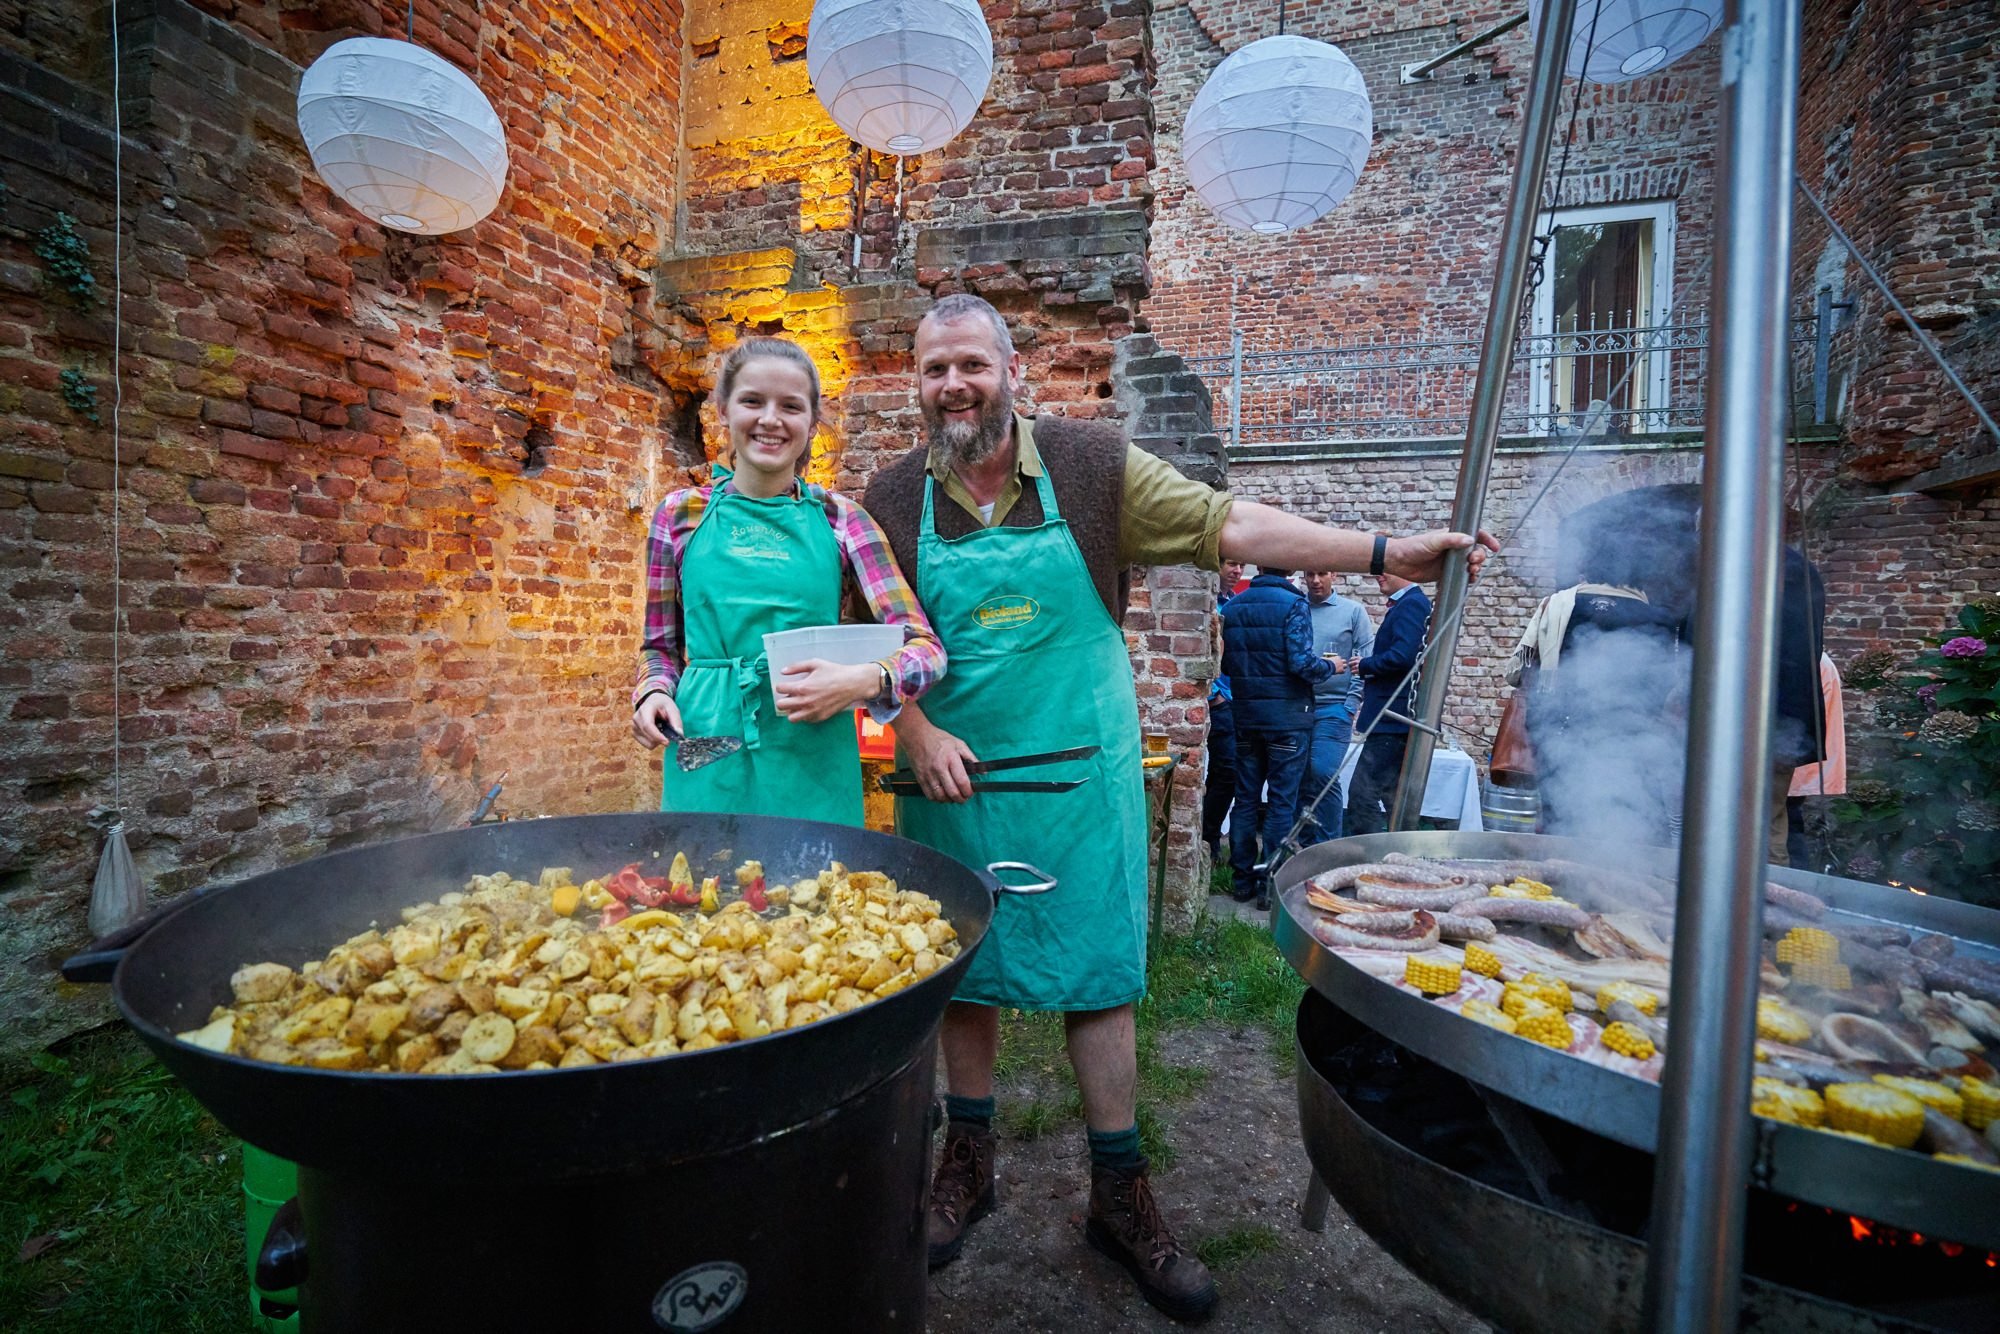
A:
[1169, 519]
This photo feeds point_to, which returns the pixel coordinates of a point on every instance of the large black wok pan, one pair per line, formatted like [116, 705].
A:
[587, 1121]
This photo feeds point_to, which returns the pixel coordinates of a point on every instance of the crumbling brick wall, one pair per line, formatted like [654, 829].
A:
[384, 497]
[1898, 108]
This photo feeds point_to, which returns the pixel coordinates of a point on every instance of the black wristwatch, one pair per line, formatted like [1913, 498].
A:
[1381, 550]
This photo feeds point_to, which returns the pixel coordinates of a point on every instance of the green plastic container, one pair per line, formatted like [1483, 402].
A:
[268, 1181]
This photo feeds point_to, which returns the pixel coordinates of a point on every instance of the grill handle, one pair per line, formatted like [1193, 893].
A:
[99, 959]
[1042, 883]
[281, 1260]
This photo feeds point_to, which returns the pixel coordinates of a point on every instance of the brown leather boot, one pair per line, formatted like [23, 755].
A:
[962, 1191]
[1125, 1224]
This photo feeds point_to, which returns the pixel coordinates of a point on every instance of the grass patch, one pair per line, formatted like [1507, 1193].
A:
[1224, 971]
[1228, 1249]
[139, 1187]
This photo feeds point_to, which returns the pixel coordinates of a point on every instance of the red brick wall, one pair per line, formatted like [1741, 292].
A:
[384, 497]
[1897, 134]
[1410, 250]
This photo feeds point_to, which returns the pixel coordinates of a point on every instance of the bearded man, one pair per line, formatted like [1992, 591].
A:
[1019, 535]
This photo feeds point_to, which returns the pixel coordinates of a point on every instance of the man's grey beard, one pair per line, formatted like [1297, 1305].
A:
[969, 444]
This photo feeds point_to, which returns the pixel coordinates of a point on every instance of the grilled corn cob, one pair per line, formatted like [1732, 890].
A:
[1779, 1101]
[1644, 999]
[1627, 1041]
[1832, 976]
[1482, 961]
[1808, 944]
[1487, 1013]
[1551, 989]
[1928, 1092]
[1533, 988]
[1541, 1022]
[1432, 977]
[1533, 888]
[1982, 1101]
[1888, 1115]
[1781, 1023]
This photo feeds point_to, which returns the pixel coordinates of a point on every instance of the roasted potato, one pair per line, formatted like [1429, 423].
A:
[501, 976]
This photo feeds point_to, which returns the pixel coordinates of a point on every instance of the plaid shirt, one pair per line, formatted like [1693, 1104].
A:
[864, 551]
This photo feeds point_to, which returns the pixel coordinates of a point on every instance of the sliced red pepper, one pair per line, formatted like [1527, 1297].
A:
[614, 913]
[753, 894]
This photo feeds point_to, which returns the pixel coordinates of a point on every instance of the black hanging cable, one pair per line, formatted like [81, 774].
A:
[410, 21]
[1281, 18]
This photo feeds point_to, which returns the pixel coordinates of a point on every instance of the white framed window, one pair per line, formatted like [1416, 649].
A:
[1607, 285]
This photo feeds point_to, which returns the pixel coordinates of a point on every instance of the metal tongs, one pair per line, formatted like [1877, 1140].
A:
[903, 783]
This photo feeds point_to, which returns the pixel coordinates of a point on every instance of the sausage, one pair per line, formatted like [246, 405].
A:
[1960, 975]
[1485, 872]
[1875, 937]
[1795, 900]
[1395, 873]
[1433, 898]
[1536, 912]
[1459, 926]
[1892, 965]
[1420, 934]
[1381, 923]
[1941, 1134]
[1778, 920]
[1933, 947]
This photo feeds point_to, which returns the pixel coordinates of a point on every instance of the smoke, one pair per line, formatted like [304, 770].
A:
[1609, 727]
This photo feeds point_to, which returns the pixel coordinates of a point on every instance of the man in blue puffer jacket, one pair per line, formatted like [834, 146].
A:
[1267, 653]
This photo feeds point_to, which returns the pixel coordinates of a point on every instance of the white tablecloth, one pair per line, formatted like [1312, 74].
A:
[1451, 794]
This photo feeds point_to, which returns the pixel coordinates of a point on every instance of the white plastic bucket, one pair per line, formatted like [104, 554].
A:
[849, 645]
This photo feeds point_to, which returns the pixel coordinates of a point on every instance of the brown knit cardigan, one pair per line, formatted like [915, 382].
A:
[1086, 463]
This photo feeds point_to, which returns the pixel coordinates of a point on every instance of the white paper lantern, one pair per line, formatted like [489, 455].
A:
[1632, 37]
[901, 76]
[1279, 134]
[402, 135]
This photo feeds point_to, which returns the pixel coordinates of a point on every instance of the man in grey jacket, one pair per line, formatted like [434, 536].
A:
[1342, 634]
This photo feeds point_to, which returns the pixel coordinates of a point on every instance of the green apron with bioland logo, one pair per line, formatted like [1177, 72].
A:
[1038, 663]
[756, 565]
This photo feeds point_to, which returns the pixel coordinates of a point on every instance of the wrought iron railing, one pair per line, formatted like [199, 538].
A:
[1642, 380]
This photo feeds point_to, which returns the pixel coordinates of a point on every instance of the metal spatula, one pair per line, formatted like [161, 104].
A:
[695, 751]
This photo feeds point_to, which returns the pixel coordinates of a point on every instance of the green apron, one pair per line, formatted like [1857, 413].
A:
[752, 567]
[1037, 664]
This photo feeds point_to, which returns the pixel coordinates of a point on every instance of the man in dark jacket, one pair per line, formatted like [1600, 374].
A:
[1398, 641]
[1267, 653]
[1221, 787]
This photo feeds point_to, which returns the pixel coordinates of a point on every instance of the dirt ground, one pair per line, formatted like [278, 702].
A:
[1241, 1165]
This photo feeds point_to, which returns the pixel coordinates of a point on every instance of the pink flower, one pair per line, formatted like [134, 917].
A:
[1965, 646]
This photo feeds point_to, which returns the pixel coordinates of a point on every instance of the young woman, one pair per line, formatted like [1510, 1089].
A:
[755, 551]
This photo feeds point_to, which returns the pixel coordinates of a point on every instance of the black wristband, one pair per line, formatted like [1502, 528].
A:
[1381, 550]
[656, 690]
